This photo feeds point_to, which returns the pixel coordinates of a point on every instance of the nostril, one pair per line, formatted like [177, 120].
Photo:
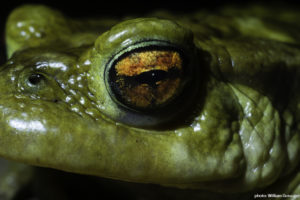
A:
[35, 79]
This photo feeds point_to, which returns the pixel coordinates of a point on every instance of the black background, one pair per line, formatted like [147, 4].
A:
[78, 8]
[86, 8]
[89, 8]
[116, 8]
[122, 8]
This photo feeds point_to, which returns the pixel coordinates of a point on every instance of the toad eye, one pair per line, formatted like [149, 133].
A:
[144, 72]
[147, 78]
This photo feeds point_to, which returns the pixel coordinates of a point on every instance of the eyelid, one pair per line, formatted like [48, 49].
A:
[137, 34]
[129, 32]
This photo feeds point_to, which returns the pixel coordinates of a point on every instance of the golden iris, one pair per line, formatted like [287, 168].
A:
[147, 79]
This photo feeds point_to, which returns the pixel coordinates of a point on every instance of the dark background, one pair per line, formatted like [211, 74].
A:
[117, 8]
[122, 8]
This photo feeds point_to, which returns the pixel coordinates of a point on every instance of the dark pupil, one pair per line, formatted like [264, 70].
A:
[151, 77]
[35, 79]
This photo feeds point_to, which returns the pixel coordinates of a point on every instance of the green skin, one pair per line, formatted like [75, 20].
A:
[237, 129]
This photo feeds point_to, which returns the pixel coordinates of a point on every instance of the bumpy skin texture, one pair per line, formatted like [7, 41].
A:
[236, 129]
